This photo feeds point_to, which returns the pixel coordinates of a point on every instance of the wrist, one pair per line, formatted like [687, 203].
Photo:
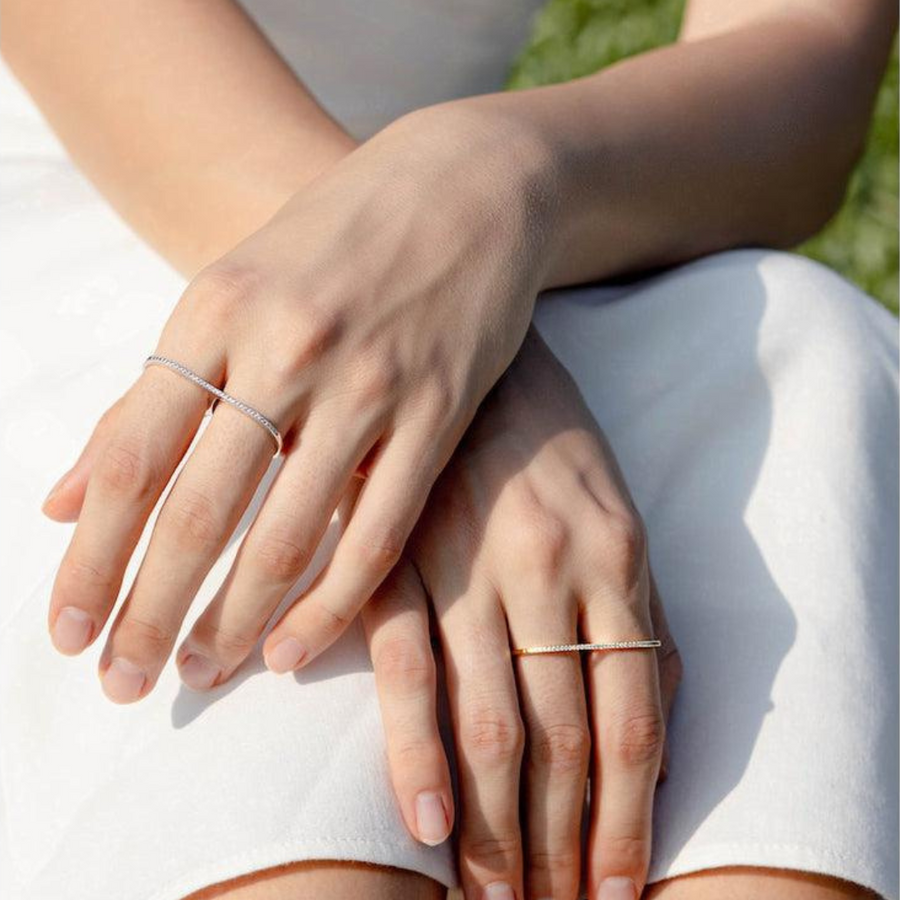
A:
[509, 162]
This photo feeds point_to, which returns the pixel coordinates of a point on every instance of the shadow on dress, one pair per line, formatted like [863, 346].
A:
[676, 383]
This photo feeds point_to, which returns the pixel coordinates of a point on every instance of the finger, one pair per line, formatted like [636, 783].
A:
[396, 624]
[489, 740]
[276, 550]
[64, 500]
[669, 665]
[195, 521]
[131, 466]
[628, 737]
[558, 741]
[389, 504]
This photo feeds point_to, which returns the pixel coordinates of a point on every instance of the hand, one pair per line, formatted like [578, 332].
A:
[529, 538]
[368, 319]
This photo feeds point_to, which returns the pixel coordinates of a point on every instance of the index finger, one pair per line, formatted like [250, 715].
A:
[152, 431]
[396, 624]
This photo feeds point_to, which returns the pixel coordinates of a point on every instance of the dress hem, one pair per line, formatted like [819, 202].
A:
[270, 855]
[798, 857]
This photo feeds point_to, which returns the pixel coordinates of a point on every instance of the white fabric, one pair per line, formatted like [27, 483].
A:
[751, 398]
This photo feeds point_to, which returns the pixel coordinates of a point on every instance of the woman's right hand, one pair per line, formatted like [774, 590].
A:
[368, 319]
[529, 538]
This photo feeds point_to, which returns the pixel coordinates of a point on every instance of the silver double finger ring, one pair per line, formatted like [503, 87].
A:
[219, 394]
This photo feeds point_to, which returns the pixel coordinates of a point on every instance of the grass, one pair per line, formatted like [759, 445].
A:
[572, 38]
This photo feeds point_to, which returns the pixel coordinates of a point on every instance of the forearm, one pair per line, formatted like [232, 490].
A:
[742, 137]
[180, 111]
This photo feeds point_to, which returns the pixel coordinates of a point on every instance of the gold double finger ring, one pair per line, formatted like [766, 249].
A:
[586, 648]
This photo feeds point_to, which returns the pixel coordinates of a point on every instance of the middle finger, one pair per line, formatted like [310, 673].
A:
[551, 693]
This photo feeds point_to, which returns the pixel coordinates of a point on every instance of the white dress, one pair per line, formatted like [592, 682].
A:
[751, 398]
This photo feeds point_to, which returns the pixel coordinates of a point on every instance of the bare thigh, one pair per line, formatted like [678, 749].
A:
[323, 878]
[752, 883]
[339, 880]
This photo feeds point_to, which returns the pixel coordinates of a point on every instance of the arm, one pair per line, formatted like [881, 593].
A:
[744, 132]
[375, 338]
[180, 111]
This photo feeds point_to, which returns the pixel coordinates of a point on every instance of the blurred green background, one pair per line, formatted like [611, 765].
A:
[572, 38]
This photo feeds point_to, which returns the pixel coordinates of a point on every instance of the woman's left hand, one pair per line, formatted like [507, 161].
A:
[367, 319]
[530, 538]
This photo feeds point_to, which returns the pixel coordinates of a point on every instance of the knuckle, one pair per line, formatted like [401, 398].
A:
[638, 737]
[87, 573]
[379, 551]
[492, 850]
[673, 666]
[441, 400]
[404, 665]
[415, 754]
[493, 735]
[329, 622]
[563, 747]
[126, 468]
[225, 644]
[625, 546]
[155, 638]
[438, 402]
[556, 860]
[280, 559]
[313, 331]
[222, 287]
[624, 852]
[190, 519]
[541, 544]
[376, 382]
[106, 421]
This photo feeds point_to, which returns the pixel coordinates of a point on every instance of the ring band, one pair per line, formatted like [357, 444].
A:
[583, 648]
[219, 394]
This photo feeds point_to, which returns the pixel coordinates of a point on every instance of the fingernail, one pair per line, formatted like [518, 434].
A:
[123, 680]
[285, 655]
[72, 630]
[55, 489]
[617, 889]
[499, 890]
[197, 672]
[431, 820]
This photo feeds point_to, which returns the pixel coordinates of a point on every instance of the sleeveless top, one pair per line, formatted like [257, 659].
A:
[369, 61]
[366, 61]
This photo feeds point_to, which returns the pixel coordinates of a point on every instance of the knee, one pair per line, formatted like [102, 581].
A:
[836, 342]
[810, 306]
[310, 879]
[750, 882]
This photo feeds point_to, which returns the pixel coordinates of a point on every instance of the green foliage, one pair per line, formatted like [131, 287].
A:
[572, 38]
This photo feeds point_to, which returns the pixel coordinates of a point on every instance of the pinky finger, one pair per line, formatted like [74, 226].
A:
[396, 625]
